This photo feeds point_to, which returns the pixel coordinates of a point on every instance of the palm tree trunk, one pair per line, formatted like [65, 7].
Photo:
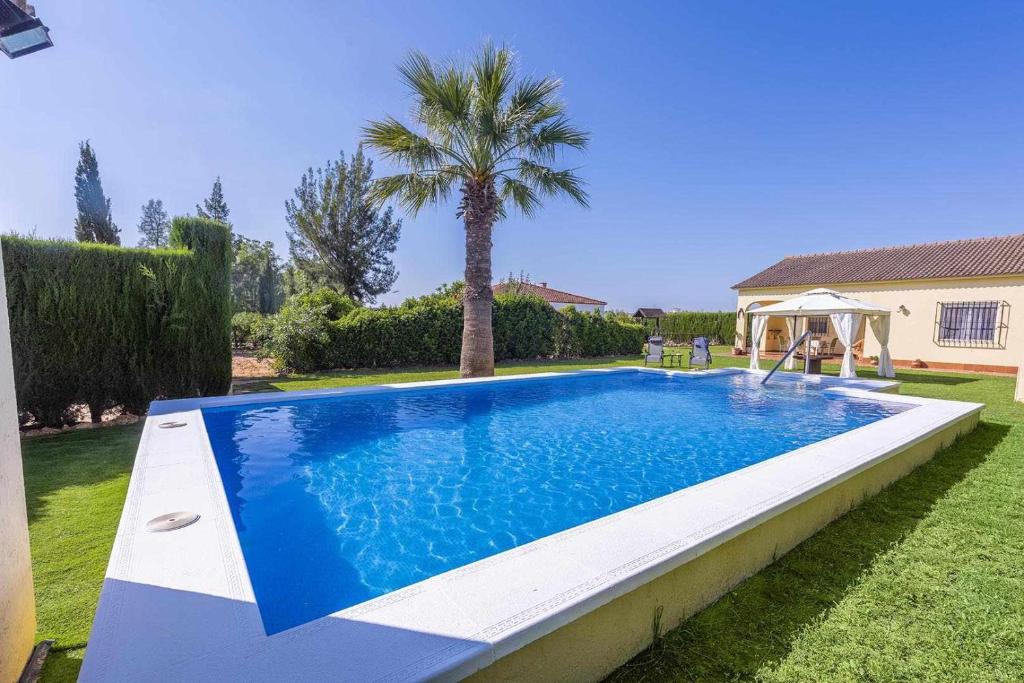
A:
[479, 205]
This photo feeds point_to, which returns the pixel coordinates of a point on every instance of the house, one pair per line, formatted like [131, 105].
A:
[955, 305]
[557, 298]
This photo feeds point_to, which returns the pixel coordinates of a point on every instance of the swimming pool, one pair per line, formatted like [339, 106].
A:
[340, 499]
[647, 494]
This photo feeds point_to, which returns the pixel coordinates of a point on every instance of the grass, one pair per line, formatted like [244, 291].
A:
[75, 485]
[351, 378]
[923, 582]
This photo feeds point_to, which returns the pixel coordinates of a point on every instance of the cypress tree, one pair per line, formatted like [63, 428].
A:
[214, 206]
[94, 222]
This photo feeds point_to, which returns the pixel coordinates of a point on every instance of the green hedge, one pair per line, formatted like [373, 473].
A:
[430, 333]
[586, 335]
[524, 327]
[718, 326]
[109, 326]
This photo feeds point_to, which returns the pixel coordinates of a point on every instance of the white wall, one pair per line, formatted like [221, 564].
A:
[17, 602]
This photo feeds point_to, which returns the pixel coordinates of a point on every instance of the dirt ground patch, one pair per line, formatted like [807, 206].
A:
[245, 365]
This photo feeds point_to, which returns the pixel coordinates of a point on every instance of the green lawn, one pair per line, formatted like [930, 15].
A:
[351, 378]
[923, 582]
[75, 485]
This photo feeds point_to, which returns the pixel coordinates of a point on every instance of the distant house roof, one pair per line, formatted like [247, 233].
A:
[649, 313]
[553, 296]
[980, 257]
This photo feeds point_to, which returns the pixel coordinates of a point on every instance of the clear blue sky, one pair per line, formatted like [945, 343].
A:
[725, 135]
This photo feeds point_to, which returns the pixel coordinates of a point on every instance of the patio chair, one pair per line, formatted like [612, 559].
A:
[655, 351]
[700, 354]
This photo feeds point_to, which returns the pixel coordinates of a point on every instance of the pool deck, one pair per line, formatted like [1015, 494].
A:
[178, 605]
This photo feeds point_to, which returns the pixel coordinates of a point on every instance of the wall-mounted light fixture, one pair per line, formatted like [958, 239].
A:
[20, 32]
[904, 310]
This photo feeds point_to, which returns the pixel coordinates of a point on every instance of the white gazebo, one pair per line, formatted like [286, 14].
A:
[845, 314]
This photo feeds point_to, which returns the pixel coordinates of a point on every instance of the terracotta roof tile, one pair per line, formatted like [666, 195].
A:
[980, 257]
[553, 296]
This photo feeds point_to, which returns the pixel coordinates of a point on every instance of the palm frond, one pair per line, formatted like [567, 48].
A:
[552, 183]
[441, 92]
[544, 142]
[545, 112]
[520, 194]
[413, 191]
[532, 96]
[396, 141]
[493, 74]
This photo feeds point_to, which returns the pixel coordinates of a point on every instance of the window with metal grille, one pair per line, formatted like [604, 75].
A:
[971, 323]
[818, 325]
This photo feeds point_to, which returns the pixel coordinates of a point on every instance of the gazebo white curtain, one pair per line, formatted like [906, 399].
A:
[846, 314]
[757, 326]
[791, 327]
[846, 325]
[880, 328]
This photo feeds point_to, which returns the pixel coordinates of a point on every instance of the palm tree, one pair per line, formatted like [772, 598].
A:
[493, 137]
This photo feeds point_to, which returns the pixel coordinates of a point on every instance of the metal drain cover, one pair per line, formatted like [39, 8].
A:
[171, 425]
[171, 521]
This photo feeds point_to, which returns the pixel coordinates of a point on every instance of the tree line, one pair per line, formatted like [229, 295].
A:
[337, 237]
[478, 130]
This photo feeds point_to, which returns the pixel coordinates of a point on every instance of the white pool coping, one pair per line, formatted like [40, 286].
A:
[179, 606]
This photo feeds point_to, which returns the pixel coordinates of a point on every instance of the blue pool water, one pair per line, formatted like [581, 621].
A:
[341, 499]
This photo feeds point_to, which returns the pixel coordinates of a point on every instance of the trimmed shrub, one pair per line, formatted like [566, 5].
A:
[336, 306]
[428, 331]
[524, 327]
[109, 326]
[300, 338]
[585, 335]
[393, 337]
[718, 326]
[249, 330]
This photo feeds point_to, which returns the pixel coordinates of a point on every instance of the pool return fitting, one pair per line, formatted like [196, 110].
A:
[172, 521]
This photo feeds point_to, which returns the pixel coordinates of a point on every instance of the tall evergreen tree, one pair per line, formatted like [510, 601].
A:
[214, 206]
[338, 235]
[295, 281]
[94, 222]
[154, 226]
[256, 282]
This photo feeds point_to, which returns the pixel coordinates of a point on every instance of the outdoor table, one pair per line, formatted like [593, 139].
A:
[814, 366]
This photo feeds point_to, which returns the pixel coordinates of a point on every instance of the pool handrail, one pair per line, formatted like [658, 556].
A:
[786, 355]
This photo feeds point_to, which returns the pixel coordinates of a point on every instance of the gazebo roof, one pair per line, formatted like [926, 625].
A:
[820, 302]
[649, 313]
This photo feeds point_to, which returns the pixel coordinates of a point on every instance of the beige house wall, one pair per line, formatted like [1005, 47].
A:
[912, 335]
[17, 602]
